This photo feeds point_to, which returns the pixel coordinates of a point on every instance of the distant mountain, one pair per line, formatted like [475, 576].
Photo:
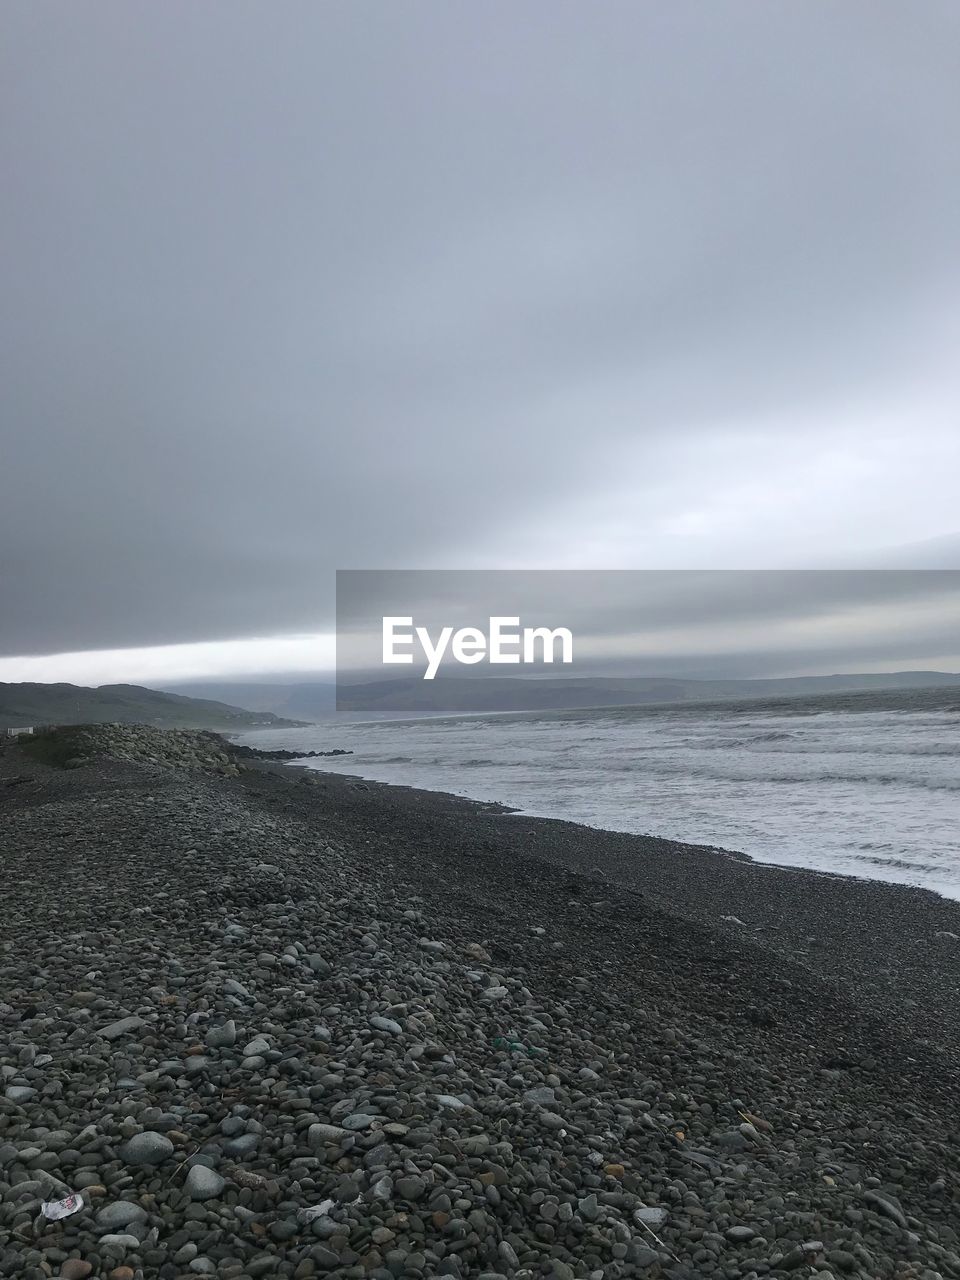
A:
[455, 694]
[23, 705]
[304, 700]
[410, 695]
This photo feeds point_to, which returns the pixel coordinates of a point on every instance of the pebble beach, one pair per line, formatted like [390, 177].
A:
[265, 1022]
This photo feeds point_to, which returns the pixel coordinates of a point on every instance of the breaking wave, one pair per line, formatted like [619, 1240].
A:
[867, 788]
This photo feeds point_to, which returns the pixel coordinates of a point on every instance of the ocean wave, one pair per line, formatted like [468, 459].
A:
[871, 779]
[873, 794]
[900, 864]
[780, 773]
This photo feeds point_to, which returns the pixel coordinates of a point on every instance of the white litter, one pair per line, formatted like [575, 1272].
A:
[56, 1209]
[315, 1211]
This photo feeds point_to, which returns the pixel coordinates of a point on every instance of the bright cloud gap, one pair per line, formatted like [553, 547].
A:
[162, 664]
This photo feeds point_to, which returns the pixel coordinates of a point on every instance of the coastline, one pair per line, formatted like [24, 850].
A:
[602, 1041]
[886, 948]
[868, 796]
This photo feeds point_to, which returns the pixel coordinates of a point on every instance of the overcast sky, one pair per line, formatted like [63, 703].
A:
[291, 287]
[712, 624]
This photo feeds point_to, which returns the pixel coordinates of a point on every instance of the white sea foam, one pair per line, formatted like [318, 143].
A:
[865, 786]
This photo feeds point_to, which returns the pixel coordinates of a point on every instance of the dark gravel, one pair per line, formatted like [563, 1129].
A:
[277, 1028]
[896, 948]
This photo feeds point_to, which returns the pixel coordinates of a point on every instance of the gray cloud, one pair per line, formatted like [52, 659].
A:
[295, 287]
[712, 623]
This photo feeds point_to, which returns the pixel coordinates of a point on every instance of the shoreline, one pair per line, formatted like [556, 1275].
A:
[507, 810]
[908, 869]
[393, 1011]
[781, 908]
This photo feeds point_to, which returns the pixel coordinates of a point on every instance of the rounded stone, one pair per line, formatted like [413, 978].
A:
[146, 1148]
[203, 1183]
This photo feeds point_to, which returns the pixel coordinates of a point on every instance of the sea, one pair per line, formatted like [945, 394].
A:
[864, 785]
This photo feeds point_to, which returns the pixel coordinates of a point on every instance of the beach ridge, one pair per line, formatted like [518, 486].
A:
[276, 1023]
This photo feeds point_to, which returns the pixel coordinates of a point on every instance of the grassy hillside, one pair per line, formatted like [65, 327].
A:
[302, 699]
[34, 704]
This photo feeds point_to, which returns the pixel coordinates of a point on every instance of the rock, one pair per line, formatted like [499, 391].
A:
[450, 1102]
[318, 1134]
[650, 1216]
[256, 1047]
[121, 1213]
[124, 1027]
[733, 1140]
[382, 1189]
[887, 1205]
[146, 1148]
[358, 1120]
[202, 1183]
[386, 1024]
[223, 1036]
[589, 1208]
[242, 1147]
[117, 1245]
[478, 952]
[76, 1269]
[801, 1255]
[551, 1120]
[411, 1187]
[739, 1235]
[325, 1257]
[508, 1254]
[842, 1260]
[19, 1093]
